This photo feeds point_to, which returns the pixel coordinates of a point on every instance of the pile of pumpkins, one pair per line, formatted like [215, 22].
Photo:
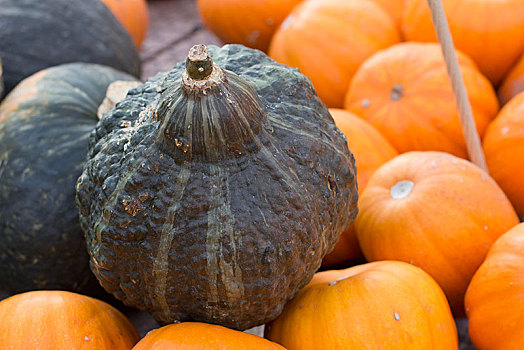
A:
[436, 238]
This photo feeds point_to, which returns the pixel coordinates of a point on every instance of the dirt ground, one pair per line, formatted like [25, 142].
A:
[174, 27]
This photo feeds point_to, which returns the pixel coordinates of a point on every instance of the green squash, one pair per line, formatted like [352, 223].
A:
[45, 123]
[213, 194]
[37, 34]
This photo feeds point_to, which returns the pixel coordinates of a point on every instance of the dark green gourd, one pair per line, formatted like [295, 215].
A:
[212, 194]
[45, 123]
[37, 34]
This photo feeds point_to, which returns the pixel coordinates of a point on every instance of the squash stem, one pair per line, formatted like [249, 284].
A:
[201, 72]
[199, 65]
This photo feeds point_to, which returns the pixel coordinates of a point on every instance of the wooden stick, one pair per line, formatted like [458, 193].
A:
[474, 146]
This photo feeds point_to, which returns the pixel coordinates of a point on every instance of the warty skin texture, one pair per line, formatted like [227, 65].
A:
[216, 206]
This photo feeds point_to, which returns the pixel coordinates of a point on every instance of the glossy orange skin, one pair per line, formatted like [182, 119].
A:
[445, 224]
[370, 150]
[379, 305]
[491, 32]
[425, 116]
[328, 39]
[503, 146]
[134, 16]
[494, 298]
[247, 22]
[513, 83]
[62, 320]
[202, 336]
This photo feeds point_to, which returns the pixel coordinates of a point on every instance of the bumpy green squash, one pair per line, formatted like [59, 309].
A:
[37, 34]
[44, 127]
[212, 194]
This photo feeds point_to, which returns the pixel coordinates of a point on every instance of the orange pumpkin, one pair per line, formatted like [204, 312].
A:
[134, 16]
[491, 32]
[393, 8]
[513, 83]
[202, 336]
[494, 297]
[436, 211]
[62, 320]
[370, 150]
[248, 22]
[379, 305]
[504, 149]
[405, 92]
[328, 39]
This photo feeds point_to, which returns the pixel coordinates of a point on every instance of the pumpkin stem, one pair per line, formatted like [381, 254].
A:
[401, 189]
[198, 63]
[201, 73]
[396, 92]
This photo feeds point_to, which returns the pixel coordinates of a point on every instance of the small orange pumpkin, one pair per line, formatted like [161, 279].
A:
[202, 336]
[513, 83]
[134, 16]
[379, 305]
[393, 7]
[248, 22]
[328, 39]
[491, 32]
[405, 92]
[436, 211]
[503, 146]
[62, 320]
[494, 297]
[370, 150]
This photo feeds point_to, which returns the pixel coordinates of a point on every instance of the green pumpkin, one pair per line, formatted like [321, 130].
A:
[213, 194]
[37, 34]
[45, 123]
